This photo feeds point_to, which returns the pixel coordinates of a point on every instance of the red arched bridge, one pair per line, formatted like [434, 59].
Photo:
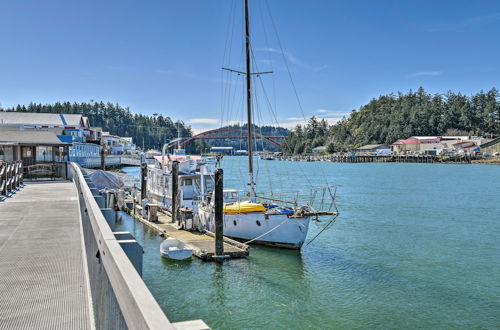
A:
[243, 135]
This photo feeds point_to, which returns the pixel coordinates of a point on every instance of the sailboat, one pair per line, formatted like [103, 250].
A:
[260, 219]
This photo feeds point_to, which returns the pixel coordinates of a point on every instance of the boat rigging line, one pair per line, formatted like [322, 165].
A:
[328, 225]
[331, 222]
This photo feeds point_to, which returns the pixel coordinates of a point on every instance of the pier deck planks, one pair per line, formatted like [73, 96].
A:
[43, 283]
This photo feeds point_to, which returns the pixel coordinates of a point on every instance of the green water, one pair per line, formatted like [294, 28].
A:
[416, 246]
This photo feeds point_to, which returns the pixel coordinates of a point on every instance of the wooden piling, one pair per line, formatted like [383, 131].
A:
[144, 174]
[103, 158]
[219, 216]
[175, 189]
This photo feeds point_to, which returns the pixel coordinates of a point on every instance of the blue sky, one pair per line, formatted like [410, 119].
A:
[165, 56]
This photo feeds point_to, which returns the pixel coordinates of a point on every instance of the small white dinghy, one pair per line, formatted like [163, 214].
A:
[174, 249]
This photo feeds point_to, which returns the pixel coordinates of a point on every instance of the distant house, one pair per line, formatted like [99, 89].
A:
[93, 135]
[319, 149]
[128, 144]
[402, 146]
[381, 149]
[112, 143]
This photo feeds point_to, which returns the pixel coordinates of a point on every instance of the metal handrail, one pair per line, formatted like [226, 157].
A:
[136, 303]
[10, 181]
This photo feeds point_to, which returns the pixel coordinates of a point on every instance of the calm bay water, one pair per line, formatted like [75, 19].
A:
[415, 246]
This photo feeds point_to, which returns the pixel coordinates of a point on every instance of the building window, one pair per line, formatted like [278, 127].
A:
[44, 154]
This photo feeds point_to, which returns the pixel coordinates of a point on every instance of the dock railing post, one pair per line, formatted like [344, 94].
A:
[175, 188]
[219, 216]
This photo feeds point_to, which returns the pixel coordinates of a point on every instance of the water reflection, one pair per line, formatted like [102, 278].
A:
[180, 264]
[218, 285]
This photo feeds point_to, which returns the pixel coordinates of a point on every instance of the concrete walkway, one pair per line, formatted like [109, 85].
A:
[43, 279]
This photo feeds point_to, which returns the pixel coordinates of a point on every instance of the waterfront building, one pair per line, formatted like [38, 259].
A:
[31, 146]
[375, 149]
[128, 145]
[437, 145]
[112, 143]
[69, 128]
[48, 121]
[93, 135]
[85, 150]
[403, 146]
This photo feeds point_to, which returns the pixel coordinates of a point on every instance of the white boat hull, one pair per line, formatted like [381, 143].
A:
[177, 254]
[272, 229]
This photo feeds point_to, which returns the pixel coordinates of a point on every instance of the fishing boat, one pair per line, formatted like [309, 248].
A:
[260, 219]
[172, 248]
[195, 179]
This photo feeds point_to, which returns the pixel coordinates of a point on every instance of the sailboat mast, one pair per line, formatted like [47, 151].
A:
[249, 103]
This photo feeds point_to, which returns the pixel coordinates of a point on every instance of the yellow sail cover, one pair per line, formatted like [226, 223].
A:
[244, 207]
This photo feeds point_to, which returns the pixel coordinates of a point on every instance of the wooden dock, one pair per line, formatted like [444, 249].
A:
[203, 244]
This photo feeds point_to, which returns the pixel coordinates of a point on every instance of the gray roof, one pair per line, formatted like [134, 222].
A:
[372, 146]
[29, 137]
[36, 118]
[491, 143]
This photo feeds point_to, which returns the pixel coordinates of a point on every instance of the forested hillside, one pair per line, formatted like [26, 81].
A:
[394, 116]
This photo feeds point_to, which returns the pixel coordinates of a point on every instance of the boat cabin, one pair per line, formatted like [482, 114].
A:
[232, 195]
